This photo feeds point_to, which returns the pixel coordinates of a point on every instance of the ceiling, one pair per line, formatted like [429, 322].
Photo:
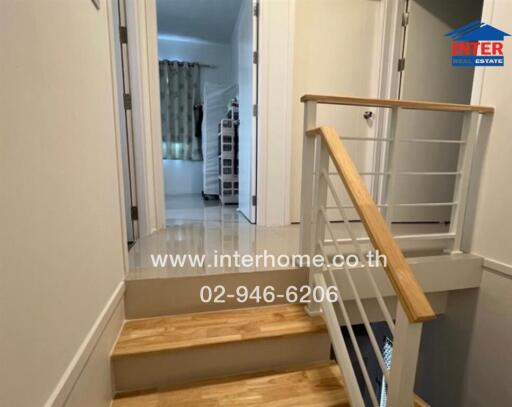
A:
[208, 20]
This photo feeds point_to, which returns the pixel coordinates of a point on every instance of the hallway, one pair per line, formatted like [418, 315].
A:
[192, 207]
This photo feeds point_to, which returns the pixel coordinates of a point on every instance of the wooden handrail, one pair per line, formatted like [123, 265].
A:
[407, 288]
[390, 103]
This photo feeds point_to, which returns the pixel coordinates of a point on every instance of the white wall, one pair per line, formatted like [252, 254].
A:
[61, 237]
[493, 215]
[489, 365]
[234, 47]
[336, 53]
[183, 177]
[490, 358]
[445, 343]
[483, 338]
[186, 177]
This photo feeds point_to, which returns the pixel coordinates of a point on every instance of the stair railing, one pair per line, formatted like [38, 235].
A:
[321, 146]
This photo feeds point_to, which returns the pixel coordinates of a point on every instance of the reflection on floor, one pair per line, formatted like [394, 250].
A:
[192, 207]
[228, 232]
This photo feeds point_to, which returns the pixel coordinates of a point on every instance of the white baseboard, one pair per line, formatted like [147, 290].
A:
[68, 380]
[498, 266]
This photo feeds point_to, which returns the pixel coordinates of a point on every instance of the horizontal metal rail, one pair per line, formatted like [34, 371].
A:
[425, 236]
[352, 236]
[401, 205]
[405, 173]
[403, 140]
[407, 288]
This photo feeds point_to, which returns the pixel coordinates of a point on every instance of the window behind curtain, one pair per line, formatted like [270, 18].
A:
[180, 97]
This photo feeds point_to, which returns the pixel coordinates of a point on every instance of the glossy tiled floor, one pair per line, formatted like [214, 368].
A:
[195, 227]
[192, 207]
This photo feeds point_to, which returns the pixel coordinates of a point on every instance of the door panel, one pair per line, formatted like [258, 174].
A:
[428, 75]
[247, 80]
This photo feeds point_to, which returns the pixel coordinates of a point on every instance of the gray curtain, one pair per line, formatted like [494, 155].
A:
[180, 94]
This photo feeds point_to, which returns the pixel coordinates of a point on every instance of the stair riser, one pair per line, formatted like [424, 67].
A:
[159, 370]
[157, 297]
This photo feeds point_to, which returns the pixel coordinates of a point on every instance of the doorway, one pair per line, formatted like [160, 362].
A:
[208, 96]
[425, 73]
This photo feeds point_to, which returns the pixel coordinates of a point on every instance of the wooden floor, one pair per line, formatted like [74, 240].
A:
[316, 386]
[190, 330]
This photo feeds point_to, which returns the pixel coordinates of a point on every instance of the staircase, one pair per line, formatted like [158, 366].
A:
[280, 355]
[276, 355]
[239, 357]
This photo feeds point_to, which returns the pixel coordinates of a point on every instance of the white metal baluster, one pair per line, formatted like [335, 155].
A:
[340, 348]
[380, 300]
[353, 339]
[406, 346]
[391, 163]
[307, 184]
[319, 200]
[362, 311]
[469, 134]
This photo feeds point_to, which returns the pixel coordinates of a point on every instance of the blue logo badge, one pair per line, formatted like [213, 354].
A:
[477, 44]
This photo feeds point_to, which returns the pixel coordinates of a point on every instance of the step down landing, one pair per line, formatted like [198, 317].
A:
[175, 350]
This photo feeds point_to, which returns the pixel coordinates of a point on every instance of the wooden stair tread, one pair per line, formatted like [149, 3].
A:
[319, 385]
[176, 332]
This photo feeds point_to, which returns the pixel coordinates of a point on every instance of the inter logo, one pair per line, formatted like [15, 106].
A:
[477, 44]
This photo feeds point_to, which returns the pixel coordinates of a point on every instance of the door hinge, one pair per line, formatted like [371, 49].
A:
[135, 213]
[401, 64]
[255, 110]
[127, 101]
[254, 200]
[123, 35]
[255, 57]
[405, 18]
[256, 9]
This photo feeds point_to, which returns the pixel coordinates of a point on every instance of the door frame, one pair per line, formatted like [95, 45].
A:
[112, 25]
[388, 84]
[253, 7]
[145, 75]
[275, 87]
[144, 85]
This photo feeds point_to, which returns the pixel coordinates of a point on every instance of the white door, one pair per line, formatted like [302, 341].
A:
[248, 96]
[337, 51]
[428, 75]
